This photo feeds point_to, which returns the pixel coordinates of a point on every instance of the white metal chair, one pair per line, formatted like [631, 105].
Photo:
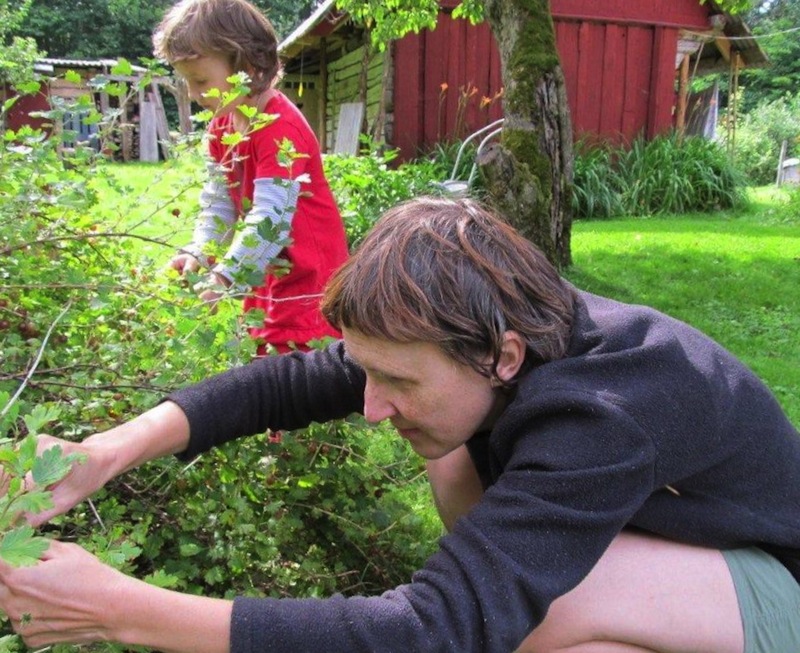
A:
[456, 187]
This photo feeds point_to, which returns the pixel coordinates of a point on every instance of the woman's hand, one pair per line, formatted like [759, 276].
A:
[69, 596]
[160, 431]
[87, 476]
[72, 597]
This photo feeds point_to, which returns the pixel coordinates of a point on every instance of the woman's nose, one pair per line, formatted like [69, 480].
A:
[377, 407]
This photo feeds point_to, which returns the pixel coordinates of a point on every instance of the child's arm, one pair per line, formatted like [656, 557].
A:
[266, 232]
[214, 222]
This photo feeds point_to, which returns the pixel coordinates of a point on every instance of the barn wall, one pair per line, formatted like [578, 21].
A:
[619, 78]
[618, 59]
[447, 84]
[688, 14]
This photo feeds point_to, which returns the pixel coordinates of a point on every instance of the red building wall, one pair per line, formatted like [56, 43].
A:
[618, 59]
[18, 115]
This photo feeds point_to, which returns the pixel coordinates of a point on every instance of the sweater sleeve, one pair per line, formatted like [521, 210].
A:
[266, 232]
[535, 535]
[277, 392]
[217, 214]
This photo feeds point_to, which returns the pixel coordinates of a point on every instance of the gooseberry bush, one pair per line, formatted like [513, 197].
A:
[95, 330]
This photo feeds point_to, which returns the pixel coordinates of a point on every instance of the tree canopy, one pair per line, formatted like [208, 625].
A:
[774, 24]
[17, 53]
[91, 29]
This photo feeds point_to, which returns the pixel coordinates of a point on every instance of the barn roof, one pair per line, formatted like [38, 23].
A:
[325, 19]
[727, 33]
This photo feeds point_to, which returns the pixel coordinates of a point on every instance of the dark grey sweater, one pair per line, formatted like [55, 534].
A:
[587, 447]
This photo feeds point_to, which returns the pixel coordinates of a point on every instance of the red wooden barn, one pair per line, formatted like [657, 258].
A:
[625, 64]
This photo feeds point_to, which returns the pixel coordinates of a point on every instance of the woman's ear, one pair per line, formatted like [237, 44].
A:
[512, 356]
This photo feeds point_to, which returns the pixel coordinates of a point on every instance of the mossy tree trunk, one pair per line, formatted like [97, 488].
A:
[529, 172]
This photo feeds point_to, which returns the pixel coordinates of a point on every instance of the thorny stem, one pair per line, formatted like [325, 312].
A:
[85, 236]
[36, 361]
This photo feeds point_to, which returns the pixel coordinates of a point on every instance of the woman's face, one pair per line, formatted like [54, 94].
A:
[434, 402]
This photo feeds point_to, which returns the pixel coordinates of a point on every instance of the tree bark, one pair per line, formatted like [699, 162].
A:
[528, 174]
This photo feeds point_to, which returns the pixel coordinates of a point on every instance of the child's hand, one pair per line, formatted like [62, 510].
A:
[184, 263]
[211, 290]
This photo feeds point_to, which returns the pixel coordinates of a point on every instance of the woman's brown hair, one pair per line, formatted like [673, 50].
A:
[453, 273]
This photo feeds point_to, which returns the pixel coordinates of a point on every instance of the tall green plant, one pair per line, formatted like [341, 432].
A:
[665, 175]
[597, 186]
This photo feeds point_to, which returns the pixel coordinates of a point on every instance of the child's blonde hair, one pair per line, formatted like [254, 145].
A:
[231, 28]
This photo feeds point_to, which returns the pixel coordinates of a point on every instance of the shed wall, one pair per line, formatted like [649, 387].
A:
[18, 114]
[345, 85]
[619, 73]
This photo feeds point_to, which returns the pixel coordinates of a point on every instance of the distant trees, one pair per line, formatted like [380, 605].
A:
[772, 22]
[17, 53]
[285, 15]
[92, 29]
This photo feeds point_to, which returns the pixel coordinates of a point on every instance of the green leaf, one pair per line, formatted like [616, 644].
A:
[50, 467]
[10, 644]
[189, 550]
[247, 111]
[203, 116]
[72, 77]
[41, 415]
[232, 139]
[162, 579]
[120, 553]
[7, 455]
[10, 417]
[21, 548]
[33, 502]
[308, 480]
[123, 67]
[26, 456]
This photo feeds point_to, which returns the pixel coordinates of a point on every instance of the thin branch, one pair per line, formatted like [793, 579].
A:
[94, 388]
[36, 361]
[86, 236]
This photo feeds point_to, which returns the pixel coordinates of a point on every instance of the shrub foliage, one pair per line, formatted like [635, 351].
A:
[665, 175]
[93, 330]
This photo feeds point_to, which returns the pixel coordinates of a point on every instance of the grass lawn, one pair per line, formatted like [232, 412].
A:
[155, 201]
[733, 275]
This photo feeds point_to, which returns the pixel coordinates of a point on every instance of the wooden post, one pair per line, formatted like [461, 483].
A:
[323, 94]
[683, 97]
[379, 126]
[148, 139]
[781, 159]
[733, 100]
[162, 127]
[184, 106]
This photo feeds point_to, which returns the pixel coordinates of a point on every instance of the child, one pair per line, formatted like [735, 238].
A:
[287, 207]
